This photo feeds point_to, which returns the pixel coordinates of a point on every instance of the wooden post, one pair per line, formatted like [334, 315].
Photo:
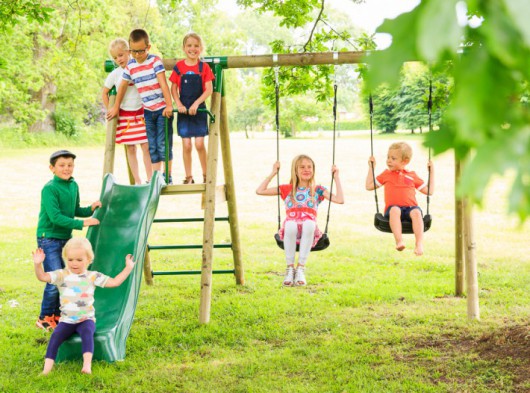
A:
[459, 235]
[131, 177]
[110, 141]
[473, 311]
[147, 268]
[231, 194]
[209, 212]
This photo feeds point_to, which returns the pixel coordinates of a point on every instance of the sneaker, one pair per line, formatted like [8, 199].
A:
[169, 179]
[188, 180]
[288, 280]
[299, 278]
[204, 178]
[47, 323]
[57, 317]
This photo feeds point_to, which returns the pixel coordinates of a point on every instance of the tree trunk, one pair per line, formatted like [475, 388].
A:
[43, 95]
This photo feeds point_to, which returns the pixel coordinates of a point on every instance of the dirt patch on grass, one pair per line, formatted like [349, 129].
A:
[498, 357]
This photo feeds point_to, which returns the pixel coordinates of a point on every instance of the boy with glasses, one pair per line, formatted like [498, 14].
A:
[147, 73]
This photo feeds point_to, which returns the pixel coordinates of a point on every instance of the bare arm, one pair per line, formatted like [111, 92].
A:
[176, 97]
[105, 96]
[168, 110]
[263, 188]
[430, 186]
[122, 88]
[38, 258]
[370, 184]
[120, 278]
[339, 196]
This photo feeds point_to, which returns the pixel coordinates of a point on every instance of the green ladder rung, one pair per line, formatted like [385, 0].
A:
[190, 272]
[198, 219]
[186, 246]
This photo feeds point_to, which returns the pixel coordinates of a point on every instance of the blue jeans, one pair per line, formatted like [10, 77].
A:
[53, 249]
[155, 125]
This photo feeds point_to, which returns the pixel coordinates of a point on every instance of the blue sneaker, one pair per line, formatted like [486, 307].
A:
[169, 180]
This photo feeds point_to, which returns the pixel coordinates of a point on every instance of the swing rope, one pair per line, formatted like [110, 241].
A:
[429, 107]
[371, 105]
[333, 144]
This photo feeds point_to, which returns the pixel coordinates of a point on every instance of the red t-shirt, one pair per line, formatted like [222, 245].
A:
[207, 74]
[400, 187]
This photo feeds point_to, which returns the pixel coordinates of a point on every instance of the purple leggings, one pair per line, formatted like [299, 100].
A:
[64, 330]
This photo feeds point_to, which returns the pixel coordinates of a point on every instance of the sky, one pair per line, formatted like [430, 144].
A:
[368, 15]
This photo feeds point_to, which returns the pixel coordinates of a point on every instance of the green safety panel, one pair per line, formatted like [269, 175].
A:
[125, 219]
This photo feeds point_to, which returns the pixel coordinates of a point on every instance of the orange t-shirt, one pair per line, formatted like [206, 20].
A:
[400, 187]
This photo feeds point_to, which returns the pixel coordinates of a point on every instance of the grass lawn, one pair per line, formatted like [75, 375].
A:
[370, 320]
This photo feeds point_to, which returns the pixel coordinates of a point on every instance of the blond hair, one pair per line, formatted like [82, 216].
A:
[193, 35]
[295, 180]
[118, 43]
[79, 242]
[404, 148]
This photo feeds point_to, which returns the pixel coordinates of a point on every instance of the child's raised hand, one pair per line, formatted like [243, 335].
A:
[38, 256]
[276, 167]
[95, 205]
[430, 166]
[129, 261]
[371, 161]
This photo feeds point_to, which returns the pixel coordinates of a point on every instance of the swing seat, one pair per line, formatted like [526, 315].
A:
[381, 223]
[322, 243]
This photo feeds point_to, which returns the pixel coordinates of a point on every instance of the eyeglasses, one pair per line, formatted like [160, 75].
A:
[135, 52]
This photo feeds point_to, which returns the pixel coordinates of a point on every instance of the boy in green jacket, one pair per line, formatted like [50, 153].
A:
[59, 207]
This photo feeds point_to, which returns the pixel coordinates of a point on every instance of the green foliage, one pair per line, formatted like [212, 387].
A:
[13, 12]
[65, 123]
[490, 67]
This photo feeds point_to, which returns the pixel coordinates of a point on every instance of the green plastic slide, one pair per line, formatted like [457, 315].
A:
[125, 219]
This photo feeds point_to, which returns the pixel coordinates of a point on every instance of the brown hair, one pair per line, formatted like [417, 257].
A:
[295, 181]
[139, 35]
[404, 148]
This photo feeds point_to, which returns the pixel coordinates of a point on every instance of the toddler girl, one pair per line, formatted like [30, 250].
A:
[131, 124]
[302, 197]
[191, 86]
[76, 287]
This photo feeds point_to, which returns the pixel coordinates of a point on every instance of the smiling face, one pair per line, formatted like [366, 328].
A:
[395, 161]
[77, 260]
[192, 48]
[63, 168]
[120, 56]
[305, 170]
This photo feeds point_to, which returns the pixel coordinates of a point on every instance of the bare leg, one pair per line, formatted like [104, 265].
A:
[395, 225]
[157, 166]
[417, 227]
[133, 163]
[201, 151]
[87, 363]
[186, 155]
[147, 160]
[48, 365]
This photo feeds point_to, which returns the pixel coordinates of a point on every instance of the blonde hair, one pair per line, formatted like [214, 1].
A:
[79, 242]
[404, 148]
[193, 35]
[118, 43]
[295, 181]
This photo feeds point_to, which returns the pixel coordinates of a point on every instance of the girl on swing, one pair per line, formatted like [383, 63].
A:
[302, 197]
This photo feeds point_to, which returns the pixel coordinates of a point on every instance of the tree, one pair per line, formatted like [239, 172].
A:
[385, 107]
[490, 67]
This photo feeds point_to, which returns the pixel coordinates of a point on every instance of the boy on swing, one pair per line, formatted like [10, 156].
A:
[400, 192]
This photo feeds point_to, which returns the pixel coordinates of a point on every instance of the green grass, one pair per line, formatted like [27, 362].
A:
[370, 320]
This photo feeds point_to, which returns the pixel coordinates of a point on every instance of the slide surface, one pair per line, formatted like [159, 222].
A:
[125, 219]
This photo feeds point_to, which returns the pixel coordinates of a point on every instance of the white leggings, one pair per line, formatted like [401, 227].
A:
[306, 240]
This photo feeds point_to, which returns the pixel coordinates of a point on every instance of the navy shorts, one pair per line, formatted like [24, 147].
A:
[405, 212]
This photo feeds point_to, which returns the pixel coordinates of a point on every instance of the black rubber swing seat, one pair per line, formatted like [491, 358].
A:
[381, 223]
[322, 243]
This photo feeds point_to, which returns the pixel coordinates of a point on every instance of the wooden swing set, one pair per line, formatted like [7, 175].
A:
[219, 135]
